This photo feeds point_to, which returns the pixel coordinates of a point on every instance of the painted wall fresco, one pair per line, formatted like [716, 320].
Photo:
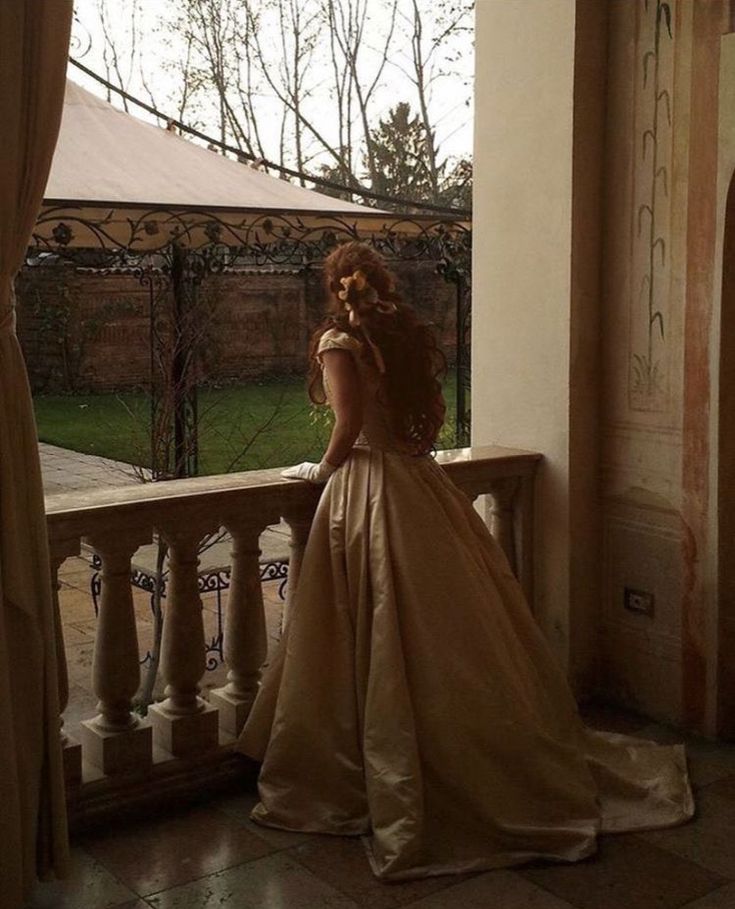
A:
[651, 207]
[659, 275]
[643, 351]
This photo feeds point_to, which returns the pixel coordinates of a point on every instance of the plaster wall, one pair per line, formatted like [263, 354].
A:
[659, 276]
[604, 152]
[538, 158]
[643, 303]
[522, 214]
[721, 555]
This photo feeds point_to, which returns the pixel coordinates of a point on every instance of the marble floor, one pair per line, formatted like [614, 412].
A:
[212, 856]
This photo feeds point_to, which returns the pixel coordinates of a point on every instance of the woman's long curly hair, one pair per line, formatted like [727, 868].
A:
[414, 364]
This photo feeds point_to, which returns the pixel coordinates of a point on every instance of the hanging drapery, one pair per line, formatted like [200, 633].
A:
[34, 40]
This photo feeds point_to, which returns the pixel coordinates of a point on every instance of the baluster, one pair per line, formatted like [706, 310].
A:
[299, 522]
[59, 552]
[524, 535]
[501, 511]
[245, 643]
[184, 723]
[116, 740]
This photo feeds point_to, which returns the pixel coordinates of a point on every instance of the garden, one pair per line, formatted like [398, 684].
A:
[263, 423]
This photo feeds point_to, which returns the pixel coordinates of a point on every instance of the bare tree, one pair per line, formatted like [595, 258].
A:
[126, 60]
[428, 63]
[346, 20]
[303, 82]
[286, 77]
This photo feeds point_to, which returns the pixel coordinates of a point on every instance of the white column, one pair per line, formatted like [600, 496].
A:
[538, 152]
[245, 641]
[59, 552]
[184, 723]
[501, 512]
[116, 740]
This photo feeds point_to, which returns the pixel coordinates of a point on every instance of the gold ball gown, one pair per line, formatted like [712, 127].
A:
[413, 700]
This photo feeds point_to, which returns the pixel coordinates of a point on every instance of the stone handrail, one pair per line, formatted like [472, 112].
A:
[116, 521]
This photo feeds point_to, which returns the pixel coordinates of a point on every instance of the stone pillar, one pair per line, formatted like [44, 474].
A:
[501, 514]
[539, 134]
[245, 642]
[116, 740]
[184, 723]
[60, 551]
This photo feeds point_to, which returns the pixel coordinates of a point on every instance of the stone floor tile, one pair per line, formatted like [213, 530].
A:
[273, 616]
[79, 663]
[709, 760]
[74, 563]
[239, 807]
[709, 840]
[76, 633]
[153, 856]
[80, 471]
[89, 886]
[627, 873]
[342, 862]
[612, 719]
[724, 898]
[85, 630]
[493, 890]
[75, 599]
[82, 706]
[135, 904]
[275, 882]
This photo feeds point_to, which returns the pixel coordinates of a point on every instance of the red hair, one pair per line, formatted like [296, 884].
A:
[411, 385]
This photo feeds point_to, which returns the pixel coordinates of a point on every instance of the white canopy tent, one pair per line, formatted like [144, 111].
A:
[108, 157]
[117, 180]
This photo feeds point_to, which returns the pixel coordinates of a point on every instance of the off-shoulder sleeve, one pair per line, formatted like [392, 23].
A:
[334, 339]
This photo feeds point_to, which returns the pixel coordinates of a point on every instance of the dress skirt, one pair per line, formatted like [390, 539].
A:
[414, 701]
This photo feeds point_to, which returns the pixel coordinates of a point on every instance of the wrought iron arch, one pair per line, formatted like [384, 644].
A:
[172, 252]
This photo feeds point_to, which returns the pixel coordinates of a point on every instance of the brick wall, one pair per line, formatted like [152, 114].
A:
[82, 331]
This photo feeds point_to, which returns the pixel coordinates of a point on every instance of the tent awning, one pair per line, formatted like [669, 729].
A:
[107, 156]
[117, 181]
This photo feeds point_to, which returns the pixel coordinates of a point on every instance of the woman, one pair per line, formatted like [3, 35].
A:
[413, 699]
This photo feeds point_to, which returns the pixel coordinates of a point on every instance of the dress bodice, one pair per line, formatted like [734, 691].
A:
[376, 427]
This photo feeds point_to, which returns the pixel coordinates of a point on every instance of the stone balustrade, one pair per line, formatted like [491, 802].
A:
[184, 731]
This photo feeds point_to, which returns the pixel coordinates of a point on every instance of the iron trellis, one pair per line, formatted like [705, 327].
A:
[174, 251]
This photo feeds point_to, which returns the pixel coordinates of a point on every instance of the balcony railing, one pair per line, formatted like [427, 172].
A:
[185, 741]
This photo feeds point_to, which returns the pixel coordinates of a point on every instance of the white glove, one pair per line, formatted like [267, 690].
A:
[314, 473]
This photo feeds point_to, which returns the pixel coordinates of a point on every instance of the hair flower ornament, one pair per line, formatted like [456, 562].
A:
[357, 283]
[357, 279]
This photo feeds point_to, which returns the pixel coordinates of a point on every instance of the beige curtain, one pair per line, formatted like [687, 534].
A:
[34, 41]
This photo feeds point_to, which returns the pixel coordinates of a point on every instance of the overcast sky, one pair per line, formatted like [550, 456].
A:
[148, 68]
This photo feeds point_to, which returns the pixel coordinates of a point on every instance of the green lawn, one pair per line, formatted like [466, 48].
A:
[244, 427]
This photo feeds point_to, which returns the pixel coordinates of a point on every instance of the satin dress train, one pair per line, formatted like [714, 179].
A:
[413, 699]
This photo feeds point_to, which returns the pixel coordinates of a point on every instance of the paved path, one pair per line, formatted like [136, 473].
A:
[65, 471]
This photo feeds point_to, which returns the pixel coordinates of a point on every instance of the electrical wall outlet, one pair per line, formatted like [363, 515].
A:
[640, 601]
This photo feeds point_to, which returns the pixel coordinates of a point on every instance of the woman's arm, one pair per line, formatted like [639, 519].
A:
[346, 400]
